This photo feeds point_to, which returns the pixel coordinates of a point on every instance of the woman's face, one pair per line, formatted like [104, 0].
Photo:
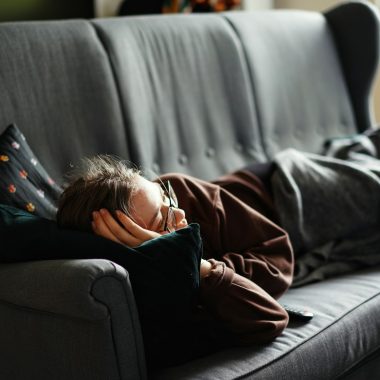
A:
[150, 207]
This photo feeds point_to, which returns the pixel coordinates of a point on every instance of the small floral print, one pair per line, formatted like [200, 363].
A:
[30, 207]
[41, 193]
[23, 174]
[12, 188]
[4, 158]
[50, 181]
[33, 161]
[15, 145]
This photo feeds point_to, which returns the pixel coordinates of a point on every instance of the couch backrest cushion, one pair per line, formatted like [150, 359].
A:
[57, 85]
[296, 76]
[185, 93]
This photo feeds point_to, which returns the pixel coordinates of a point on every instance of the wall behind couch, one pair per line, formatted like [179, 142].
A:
[14, 10]
[109, 8]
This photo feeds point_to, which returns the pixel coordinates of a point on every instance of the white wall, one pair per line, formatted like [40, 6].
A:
[317, 5]
[250, 5]
[106, 8]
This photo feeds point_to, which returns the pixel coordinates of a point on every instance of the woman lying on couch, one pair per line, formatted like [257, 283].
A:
[328, 206]
[248, 259]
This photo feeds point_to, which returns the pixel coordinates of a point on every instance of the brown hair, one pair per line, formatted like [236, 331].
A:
[99, 182]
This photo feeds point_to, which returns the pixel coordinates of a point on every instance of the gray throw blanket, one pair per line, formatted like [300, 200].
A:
[331, 206]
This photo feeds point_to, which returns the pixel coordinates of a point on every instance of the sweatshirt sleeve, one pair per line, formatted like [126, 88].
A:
[247, 313]
[253, 246]
[234, 231]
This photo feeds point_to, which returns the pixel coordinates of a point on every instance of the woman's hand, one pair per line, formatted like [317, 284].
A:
[205, 268]
[130, 233]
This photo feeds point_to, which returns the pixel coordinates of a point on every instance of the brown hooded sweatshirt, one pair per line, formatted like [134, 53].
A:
[251, 256]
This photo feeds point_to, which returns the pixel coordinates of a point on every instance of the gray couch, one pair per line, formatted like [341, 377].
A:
[199, 94]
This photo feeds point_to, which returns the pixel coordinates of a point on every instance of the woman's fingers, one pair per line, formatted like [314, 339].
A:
[111, 228]
[100, 227]
[129, 233]
[137, 231]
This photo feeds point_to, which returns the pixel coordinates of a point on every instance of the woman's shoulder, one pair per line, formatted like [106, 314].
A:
[188, 181]
[193, 193]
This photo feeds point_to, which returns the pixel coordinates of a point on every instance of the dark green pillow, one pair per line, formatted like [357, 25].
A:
[164, 272]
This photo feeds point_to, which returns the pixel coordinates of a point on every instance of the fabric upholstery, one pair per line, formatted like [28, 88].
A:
[343, 332]
[67, 349]
[365, 369]
[296, 77]
[201, 94]
[56, 77]
[185, 93]
[56, 320]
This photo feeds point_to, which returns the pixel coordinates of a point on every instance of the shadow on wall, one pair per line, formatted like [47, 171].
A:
[18, 10]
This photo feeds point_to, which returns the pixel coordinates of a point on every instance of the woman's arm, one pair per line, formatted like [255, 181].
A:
[253, 246]
[246, 313]
[234, 232]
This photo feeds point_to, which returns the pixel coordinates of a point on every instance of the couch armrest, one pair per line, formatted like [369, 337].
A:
[353, 23]
[72, 319]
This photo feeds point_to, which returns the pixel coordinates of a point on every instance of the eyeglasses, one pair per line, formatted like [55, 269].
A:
[170, 224]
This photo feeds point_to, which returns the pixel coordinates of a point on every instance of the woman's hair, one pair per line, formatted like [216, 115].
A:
[99, 182]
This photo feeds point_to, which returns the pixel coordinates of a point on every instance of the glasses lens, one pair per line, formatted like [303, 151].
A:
[171, 221]
[172, 195]
[172, 202]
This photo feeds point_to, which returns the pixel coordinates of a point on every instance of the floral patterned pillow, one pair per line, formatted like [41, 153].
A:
[24, 183]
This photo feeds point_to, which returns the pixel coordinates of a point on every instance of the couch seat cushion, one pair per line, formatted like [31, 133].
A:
[343, 332]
